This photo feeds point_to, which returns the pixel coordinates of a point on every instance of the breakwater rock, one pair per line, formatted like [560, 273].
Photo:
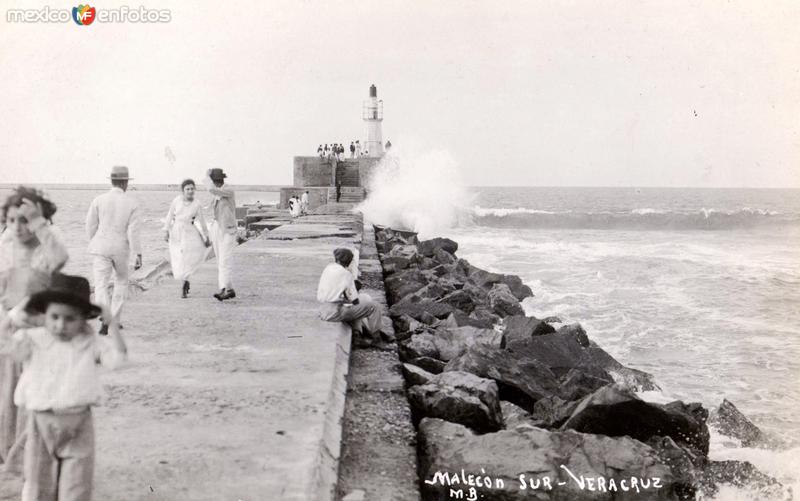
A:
[532, 404]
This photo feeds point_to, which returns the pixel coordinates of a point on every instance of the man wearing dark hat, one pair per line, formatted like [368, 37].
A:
[223, 232]
[112, 225]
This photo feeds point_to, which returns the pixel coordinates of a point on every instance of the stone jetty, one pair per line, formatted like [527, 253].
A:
[512, 407]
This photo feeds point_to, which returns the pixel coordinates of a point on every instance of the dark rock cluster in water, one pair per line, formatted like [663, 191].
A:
[511, 407]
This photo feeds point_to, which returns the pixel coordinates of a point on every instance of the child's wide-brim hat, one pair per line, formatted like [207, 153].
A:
[65, 289]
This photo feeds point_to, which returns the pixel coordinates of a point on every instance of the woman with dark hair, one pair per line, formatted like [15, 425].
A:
[30, 252]
[188, 243]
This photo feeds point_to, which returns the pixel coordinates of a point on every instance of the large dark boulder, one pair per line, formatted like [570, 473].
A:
[514, 415]
[430, 364]
[415, 375]
[460, 319]
[579, 383]
[394, 264]
[521, 381]
[569, 348]
[452, 342]
[405, 324]
[418, 345]
[418, 309]
[459, 299]
[552, 411]
[443, 257]
[428, 248]
[432, 291]
[481, 278]
[459, 397]
[502, 302]
[533, 454]
[405, 251]
[519, 289]
[485, 315]
[522, 328]
[402, 283]
[729, 421]
[615, 411]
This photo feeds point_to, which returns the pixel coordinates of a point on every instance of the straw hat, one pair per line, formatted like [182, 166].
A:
[119, 173]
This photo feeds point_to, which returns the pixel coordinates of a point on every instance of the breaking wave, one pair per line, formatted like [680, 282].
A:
[636, 219]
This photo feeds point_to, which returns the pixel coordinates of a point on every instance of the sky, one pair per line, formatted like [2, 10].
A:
[524, 93]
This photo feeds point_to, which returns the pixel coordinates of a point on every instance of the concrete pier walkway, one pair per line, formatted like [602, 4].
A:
[239, 400]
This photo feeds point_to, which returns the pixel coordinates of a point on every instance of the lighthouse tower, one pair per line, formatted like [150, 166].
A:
[372, 113]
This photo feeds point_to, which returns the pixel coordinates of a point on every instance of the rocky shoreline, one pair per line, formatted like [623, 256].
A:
[509, 407]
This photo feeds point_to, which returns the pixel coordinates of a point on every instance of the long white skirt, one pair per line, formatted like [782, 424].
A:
[186, 250]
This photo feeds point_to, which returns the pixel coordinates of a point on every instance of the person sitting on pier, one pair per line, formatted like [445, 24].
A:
[319, 151]
[341, 302]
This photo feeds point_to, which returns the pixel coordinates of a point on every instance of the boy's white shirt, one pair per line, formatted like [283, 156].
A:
[58, 374]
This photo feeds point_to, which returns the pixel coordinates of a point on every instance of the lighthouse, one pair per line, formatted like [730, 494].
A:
[372, 113]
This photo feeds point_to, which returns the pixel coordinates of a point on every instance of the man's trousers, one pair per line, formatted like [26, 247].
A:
[110, 273]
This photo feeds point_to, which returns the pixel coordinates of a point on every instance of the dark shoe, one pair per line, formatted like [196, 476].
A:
[219, 295]
[103, 330]
[229, 294]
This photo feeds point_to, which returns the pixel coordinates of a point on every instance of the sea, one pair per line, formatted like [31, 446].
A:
[700, 287]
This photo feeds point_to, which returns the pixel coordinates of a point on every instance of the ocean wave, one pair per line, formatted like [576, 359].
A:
[644, 218]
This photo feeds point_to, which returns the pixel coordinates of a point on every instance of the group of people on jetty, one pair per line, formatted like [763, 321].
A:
[50, 348]
[338, 152]
[298, 206]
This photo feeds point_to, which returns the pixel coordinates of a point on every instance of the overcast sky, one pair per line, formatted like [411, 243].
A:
[588, 93]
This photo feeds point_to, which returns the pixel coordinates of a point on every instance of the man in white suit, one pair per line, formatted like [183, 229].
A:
[223, 232]
[112, 225]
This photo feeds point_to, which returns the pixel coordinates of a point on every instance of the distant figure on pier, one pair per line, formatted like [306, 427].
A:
[304, 203]
[352, 150]
[112, 225]
[358, 149]
[294, 206]
[320, 151]
[223, 232]
[326, 152]
[186, 231]
[341, 302]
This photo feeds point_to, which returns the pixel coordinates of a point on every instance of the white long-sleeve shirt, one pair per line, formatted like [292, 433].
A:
[336, 285]
[61, 374]
[112, 224]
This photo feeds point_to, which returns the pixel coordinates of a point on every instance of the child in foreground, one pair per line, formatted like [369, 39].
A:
[59, 386]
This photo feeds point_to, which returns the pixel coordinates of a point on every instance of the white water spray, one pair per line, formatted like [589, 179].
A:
[423, 192]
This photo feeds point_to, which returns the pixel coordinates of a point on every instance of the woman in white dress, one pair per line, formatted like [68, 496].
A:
[294, 206]
[31, 250]
[188, 245]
